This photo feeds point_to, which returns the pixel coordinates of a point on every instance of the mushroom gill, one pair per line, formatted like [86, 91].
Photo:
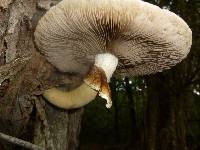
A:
[77, 34]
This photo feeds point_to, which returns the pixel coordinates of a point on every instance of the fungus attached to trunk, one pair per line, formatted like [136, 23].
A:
[77, 34]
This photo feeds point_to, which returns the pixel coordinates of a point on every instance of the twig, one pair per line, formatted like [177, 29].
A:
[20, 142]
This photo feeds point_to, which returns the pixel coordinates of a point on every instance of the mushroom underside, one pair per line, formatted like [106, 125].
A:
[144, 38]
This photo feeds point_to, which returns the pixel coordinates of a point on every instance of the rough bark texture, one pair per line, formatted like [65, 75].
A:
[24, 74]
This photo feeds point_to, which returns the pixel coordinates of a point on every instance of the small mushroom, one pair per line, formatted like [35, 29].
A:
[91, 37]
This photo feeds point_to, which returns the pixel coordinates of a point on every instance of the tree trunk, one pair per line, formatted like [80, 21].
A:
[24, 75]
[165, 116]
[116, 111]
[131, 105]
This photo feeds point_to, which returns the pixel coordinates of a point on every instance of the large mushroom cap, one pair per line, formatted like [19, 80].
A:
[145, 38]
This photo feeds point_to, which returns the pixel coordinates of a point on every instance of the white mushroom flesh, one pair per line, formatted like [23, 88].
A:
[108, 63]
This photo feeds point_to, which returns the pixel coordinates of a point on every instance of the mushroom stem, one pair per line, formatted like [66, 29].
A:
[70, 99]
[95, 82]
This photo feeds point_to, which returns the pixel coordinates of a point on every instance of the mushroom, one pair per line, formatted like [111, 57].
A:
[91, 37]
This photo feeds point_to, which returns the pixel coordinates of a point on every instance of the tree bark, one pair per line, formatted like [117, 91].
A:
[24, 75]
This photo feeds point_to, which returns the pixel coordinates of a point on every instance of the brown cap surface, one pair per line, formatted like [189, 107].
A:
[145, 38]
